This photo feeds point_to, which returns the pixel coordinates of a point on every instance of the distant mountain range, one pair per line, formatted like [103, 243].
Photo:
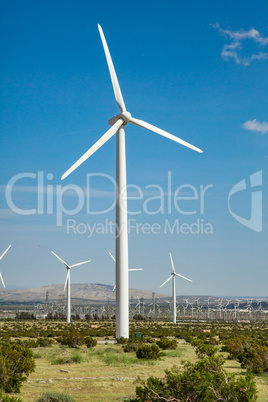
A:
[95, 293]
[88, 292]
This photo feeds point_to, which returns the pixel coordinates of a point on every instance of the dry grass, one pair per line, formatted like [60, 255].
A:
[106, 375]
[103, 375]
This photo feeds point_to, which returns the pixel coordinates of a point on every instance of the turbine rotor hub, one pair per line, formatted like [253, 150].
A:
[125, 116]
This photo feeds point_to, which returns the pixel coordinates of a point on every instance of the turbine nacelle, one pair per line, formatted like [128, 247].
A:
[126, 116]
[68, 267]
[174, 273]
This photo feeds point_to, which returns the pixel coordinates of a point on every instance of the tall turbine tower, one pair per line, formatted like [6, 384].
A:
[2, 280]
[172, 276]
[118, 124]
[68, 283]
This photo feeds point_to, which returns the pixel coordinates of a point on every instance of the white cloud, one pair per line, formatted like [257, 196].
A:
[254, 125]
[240, 35]
[231, 50]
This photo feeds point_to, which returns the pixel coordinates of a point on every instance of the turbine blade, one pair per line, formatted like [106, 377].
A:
[5, 252]
[80, 263]
[67, 278]
[111, 255]
[94, 147]
[157, 130]
[136, 269]
[66, 265]
[2, 280]
[116, 87]
[172, 262]
[114, 261]
[190, 280]
[166, 281]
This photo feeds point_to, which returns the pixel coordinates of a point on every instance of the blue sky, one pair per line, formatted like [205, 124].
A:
[197, 70]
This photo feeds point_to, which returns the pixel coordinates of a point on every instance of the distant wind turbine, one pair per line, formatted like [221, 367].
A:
[2, 280]
[172, 276]
[130, 269]
[68, 283]
[118, 124]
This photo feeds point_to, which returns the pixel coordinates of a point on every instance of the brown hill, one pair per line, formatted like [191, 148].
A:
[86, 292]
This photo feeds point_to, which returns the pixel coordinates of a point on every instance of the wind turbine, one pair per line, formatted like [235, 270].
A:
[118, 124]
[2, 280]
[130, 269]
[68, 284]
[172, 276]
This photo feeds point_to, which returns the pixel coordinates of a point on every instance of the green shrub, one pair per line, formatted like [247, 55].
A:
[165, 343]
[236, 345]
[27, 343]
[121, 340]
[90, 342]
[148, 339]
[131, 347]
[251, 353]
[37, 355]
[139, 317]
[61, 360]
[71, 338]
[203, 350]
[206, 381]
[115, 358]
[7, 398]
[77, 357]
[24, 315]
[255, 359]
[55, 397]
[64, 355]
[148, 352]
[16, 363]
[44, 342]
[213, 341]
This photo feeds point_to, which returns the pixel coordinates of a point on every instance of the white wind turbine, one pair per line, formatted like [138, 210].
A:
[68, 283]
[130, 269]
[172, 276]
[2, 280]
[118, 124]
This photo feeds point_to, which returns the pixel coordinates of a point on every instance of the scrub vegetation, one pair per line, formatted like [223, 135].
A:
[83, 361]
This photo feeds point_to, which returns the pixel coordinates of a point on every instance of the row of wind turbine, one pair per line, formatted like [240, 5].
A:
[68, 280]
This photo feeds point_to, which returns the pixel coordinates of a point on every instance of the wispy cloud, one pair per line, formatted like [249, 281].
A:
[233, 49]
[254, 125]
